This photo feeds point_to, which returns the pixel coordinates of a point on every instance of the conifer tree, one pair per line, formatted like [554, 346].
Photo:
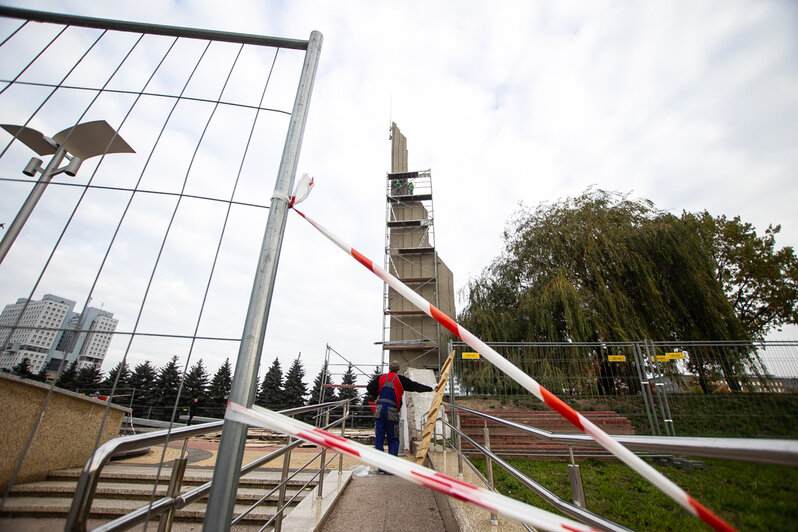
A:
[142, 382]
[23, 369]
[319, 393]
[68, 376]
[349, 379]
[166, 386]
[121, 392]
[271, 394]
[88, 380]
[196, 385]
[374, 375]
[42, 375]
[295, 388]
[219, 389]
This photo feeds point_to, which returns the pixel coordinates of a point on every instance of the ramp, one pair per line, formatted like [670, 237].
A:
[387, 503]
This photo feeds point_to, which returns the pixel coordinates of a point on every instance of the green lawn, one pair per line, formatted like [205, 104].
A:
[747, 496]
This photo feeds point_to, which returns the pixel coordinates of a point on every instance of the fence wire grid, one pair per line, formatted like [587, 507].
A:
[675, 388]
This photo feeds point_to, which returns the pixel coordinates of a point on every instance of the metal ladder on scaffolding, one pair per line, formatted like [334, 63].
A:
[432, 416]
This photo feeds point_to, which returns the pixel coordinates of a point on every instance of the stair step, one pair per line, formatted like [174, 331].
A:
[113, 508]
[192, 476]
[132, 490]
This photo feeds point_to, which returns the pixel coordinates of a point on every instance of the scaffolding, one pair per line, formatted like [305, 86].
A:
[409, 335]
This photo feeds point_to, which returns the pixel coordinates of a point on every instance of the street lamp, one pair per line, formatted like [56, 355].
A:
[76, 144]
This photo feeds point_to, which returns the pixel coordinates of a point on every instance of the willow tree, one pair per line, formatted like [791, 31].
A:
[601, 267]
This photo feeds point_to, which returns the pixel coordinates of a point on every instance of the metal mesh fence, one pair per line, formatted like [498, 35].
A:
[737, 389]
[159, 184]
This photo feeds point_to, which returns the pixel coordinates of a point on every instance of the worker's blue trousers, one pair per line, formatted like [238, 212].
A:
[385, 428]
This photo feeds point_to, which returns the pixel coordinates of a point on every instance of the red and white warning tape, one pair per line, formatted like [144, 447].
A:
[622, 453]
[408, 470]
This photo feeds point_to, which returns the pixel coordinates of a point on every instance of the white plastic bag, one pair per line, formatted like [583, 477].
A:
[361, 470]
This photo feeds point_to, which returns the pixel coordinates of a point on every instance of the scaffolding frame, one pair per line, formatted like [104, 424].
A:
[409, 335]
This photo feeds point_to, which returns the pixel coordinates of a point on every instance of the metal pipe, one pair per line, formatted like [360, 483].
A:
[281, 498]
[33, 198]
[494, 518]
[231, 447]
[669, 418]
[577, 489]
[459, 443]
[659, 387]
[641, 368]
[155, 29]
[175, 481]
[323, 459]
[343, 435]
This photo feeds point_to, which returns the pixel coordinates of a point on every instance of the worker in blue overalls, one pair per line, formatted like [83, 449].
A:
[388, 388]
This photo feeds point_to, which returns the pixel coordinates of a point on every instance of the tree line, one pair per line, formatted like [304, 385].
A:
[152, 392]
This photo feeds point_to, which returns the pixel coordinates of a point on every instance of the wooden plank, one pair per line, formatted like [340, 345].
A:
[432, 415]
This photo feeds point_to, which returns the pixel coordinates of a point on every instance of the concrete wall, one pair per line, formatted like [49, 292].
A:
[418, 405]
[66, 434]
[398, 150]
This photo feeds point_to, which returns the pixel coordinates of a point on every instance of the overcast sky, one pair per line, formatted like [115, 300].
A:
[693, 105]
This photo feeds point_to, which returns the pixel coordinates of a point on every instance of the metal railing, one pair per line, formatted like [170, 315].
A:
[84, 494]
[578, 513]
[767, 451]
[780, 452]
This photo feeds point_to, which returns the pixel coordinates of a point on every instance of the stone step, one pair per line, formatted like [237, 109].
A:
[192, 476]
[134, 491]
[48, 507]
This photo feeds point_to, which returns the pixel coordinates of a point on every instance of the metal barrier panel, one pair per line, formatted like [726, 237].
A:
[738, 389]
[148, 222]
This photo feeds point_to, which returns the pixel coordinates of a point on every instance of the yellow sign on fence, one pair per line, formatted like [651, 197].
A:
[661, 358]
[616, 358]
[470, 355]
[675, 356]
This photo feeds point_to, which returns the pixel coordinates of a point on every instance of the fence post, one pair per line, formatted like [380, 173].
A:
[221, 499]
[650, 384]
[669, 417]
[320, 487]
[175, 481]
[459, 443]
[644, 390]
[494, 518]
[660, 389]
[575, 478]
[278, 521]
[343, 435]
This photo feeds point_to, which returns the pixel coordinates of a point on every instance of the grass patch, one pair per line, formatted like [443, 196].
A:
[747, 496]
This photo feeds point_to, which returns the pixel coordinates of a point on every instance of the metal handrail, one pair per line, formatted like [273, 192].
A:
[580, 514]
[90, 475]
[766, 451]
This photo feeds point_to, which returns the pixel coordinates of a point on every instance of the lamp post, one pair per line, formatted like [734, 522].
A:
[76, 144]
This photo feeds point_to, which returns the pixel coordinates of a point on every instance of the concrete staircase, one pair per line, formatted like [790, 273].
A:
[508, 441]
[124, 488]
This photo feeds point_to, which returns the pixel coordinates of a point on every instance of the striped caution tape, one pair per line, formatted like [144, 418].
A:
[602, 438]
[492, 501]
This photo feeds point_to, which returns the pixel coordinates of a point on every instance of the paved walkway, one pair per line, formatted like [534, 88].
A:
[469, 517]
[387, 503]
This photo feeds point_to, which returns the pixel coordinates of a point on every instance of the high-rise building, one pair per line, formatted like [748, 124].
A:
[410, 336]
[49, 331]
